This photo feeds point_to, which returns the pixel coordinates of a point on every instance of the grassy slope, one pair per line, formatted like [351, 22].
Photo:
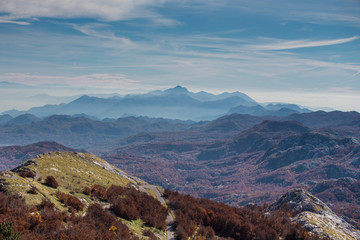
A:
[73, 172]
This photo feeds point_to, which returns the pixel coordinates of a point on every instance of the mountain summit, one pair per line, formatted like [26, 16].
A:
[177, 90]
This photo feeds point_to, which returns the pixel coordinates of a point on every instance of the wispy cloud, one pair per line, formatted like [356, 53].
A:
[277, 44]
[91, 30]
[14, 22]
[317, 17]
[110, 10]
[98, 80]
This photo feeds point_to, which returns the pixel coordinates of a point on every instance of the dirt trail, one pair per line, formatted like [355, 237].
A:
[170, 220]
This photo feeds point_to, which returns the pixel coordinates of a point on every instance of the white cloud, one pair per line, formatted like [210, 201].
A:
[107, 10]
[326, 17]
[99, 80]
[277, 44]
[14, 22]
[91, 30]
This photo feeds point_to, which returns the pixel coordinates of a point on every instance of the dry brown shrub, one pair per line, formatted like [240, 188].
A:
[50, 181]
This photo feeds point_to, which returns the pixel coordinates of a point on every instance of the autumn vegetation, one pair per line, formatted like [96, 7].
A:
[132, 204]
[43, 222]
[50, 181]
[205, 219]
[27, 174]
[71, 201]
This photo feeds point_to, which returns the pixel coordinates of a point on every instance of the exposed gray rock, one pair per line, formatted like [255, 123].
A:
[316, 216]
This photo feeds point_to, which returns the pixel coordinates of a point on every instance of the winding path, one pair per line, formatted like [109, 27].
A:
[170, 220]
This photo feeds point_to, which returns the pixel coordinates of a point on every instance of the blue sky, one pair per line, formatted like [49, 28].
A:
[305, 52]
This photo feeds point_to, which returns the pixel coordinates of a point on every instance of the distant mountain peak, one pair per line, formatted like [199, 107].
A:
[177, 90]
[84, 97]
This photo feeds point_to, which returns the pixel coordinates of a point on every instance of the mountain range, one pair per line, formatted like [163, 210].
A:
[234, 158]
[80, 132]
[83, 132]
[173, 103]
[258, 163]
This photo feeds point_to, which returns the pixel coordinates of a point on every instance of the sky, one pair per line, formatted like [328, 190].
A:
[304, 52]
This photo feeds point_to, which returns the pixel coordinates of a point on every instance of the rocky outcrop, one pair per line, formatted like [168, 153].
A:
[316, 216]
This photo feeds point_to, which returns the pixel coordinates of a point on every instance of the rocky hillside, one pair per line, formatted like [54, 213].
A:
[73, 182]
[316, 216]
[71, 195]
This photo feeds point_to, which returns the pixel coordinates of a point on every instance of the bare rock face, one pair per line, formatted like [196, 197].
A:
[316, 216]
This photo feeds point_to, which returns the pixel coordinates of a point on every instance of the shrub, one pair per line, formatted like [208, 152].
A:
[27, 174]
[103, 221]
[45, 204]
[211, 218]
[125, 208]
[33, 190]
[50, 181]
[87, 191]
[69, 200]
[133, 204]
[114, 191]
[98, 192]
[45, 223]
[149, 234]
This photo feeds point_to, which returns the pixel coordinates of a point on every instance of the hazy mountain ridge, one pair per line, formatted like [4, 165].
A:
[270, 109]
[82, 132]
[5, 118]
[87, 131]
[174, 103]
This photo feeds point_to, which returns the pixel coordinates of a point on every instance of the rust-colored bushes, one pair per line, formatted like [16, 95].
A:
[50, 181]
[202, 218]
[27, 174]
[97, 191]
[68, 200]
[45, 223]
[133, 204]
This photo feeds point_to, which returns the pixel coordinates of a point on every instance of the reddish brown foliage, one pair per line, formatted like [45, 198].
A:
[98, 192]
[149, 234]
[133, 204]
[45, 204]
[87, 191]
[33, 190]
[50, 181]
[212, 218]
[71, 201]
[27, 174]
[48, 224]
